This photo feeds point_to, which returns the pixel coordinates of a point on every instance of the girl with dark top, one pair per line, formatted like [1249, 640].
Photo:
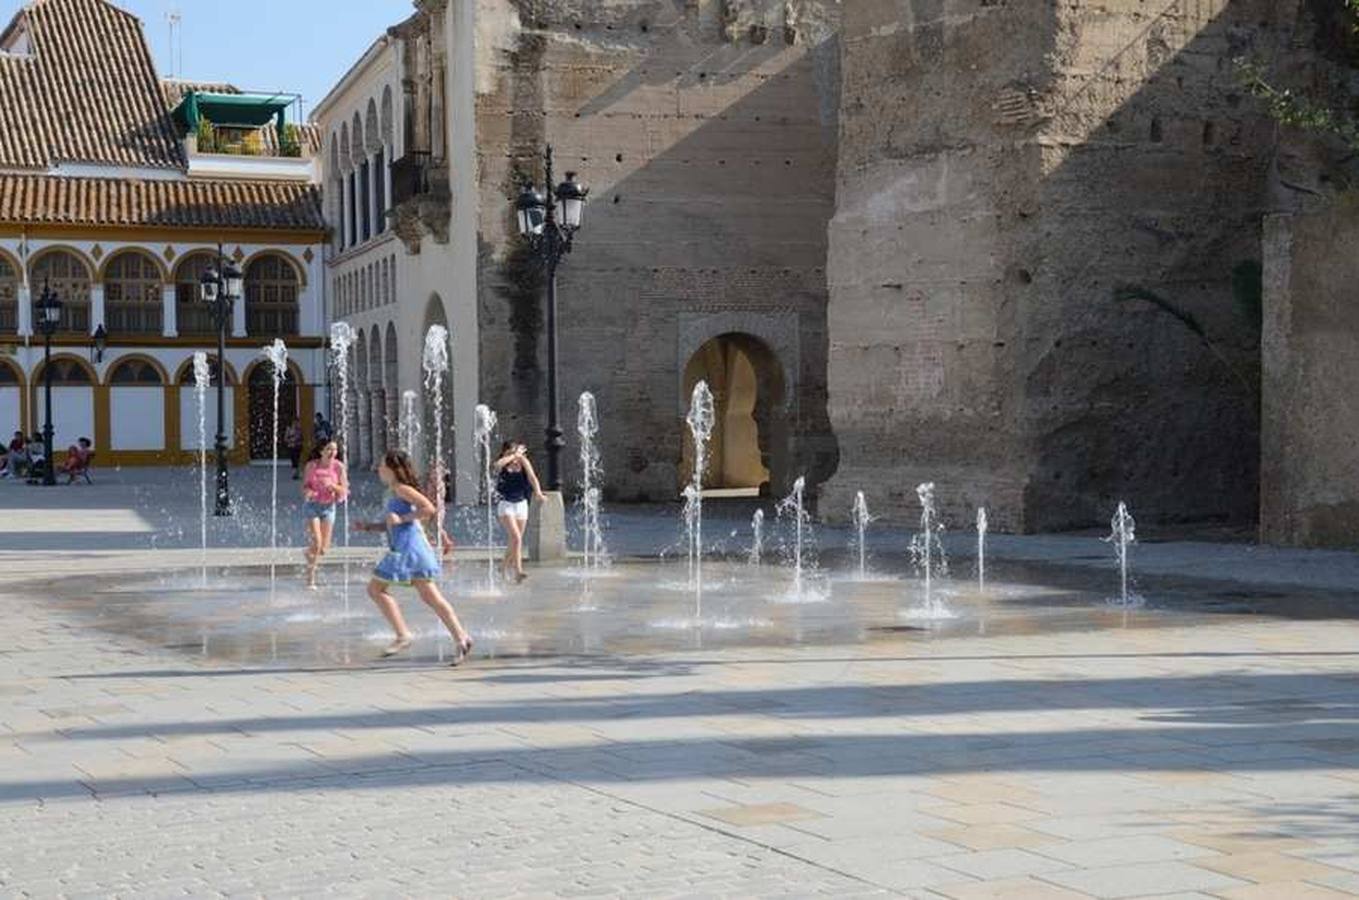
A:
[409, 559]
[515, 483]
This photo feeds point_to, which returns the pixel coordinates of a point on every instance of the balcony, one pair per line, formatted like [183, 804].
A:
[238, 135]
[421, 202]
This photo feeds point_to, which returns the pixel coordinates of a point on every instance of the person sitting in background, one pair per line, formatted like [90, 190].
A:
[77, 461]
[37, 457]
[15, 462]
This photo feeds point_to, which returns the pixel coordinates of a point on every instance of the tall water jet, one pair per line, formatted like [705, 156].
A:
[701, 419]
[409, 422]
[341, 340]
[277, 354]
[434, 361]
[927, 549]
[756, 537]
[202, 375]
[587, 426]
[1123, 533]
[982, 528]
[861, 520]
[792, 504]
[483, 428]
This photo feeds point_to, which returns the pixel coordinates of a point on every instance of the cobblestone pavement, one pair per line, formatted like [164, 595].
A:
[1215, 760]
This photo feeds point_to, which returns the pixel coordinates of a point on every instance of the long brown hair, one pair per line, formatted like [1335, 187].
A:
[399, 461]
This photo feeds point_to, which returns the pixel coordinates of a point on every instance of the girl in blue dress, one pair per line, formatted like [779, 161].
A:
[410, 559]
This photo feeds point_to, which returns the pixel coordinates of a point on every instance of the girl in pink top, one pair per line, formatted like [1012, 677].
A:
[325, 482]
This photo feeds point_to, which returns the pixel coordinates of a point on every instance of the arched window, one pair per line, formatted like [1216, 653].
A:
[66, 372]
[69, 278]
[9, 296]
[136, 373]
[132, 295]
[192, 315]
[9, 375]
[271, 289]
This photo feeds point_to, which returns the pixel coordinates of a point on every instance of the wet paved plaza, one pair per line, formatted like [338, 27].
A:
[615, 738]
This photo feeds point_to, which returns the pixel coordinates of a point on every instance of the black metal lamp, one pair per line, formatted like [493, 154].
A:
[97, 343]
[571, 195]
[550, 239]
[48, 307]
[532, 209]
[220, 288]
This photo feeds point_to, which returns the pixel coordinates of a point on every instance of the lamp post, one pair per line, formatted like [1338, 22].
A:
[97, 343]
[551, 239]
[220, 288]
[49, 317]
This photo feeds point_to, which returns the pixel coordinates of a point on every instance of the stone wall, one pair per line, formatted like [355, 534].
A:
[1041, 207]
[706, 131]
[1309, 489]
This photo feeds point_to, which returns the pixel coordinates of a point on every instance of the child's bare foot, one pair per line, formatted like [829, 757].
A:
[397, 646]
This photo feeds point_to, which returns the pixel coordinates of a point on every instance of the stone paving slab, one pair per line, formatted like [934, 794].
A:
[1214, 760]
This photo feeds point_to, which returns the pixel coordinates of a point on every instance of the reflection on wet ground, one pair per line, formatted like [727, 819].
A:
[633, 607]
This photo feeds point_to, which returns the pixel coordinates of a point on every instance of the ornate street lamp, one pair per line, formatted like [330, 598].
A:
[98, 341]
[550, 237]
[220, 288]
[48, 309]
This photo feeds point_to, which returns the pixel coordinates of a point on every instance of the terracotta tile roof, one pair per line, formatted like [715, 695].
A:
[85, 91]
[56, 200]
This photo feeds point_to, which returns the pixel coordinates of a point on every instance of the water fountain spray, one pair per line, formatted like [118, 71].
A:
[982, 528]
[484, 421]
[341, 340]
[202, 375]
[1123, 533]
[701, 419]
[277, 354]
[409, 423]
[793, 504]
[927, 547]
[861, 520]
[434, 360]
[587, 426]
[756, 537]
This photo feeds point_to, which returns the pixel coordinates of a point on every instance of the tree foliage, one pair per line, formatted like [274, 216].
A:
[1301, 109]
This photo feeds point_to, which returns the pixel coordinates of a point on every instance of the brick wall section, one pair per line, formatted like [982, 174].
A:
[976, 248]
[710, 150]
[1309, 489]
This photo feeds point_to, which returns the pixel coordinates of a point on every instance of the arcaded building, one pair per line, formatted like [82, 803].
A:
[116, 190]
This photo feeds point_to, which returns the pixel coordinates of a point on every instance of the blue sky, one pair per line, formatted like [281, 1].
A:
[300, 46]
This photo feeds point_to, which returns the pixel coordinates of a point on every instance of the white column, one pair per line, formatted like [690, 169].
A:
[25, 300]
[386, 176]
[96, 306]
[346, 214]
[238, 318]
[169, 327]
[373, 176]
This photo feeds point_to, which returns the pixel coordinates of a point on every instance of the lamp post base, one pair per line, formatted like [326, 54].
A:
[545, 538]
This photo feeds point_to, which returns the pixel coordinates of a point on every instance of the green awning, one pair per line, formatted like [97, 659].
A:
[232, 110]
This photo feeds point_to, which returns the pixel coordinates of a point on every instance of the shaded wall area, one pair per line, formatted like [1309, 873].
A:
[706, 132]
[1309, 488]
[1033, 257]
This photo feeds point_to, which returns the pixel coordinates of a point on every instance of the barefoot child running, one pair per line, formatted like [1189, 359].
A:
[410, 559]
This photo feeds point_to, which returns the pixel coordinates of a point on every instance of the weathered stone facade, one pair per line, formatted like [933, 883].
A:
[707, 133]
[1309, 487]
[1041, 207]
